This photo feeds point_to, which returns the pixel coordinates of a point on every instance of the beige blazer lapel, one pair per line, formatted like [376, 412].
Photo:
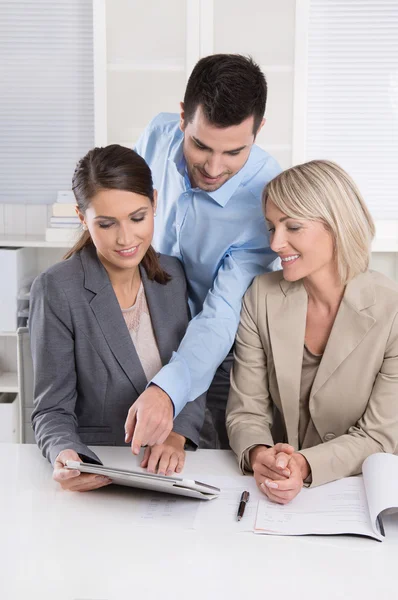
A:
[287, 314]
[350, 327]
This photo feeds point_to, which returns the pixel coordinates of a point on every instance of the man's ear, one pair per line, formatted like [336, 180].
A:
[182, 116]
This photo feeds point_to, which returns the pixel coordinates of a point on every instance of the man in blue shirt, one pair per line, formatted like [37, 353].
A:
[209, 176]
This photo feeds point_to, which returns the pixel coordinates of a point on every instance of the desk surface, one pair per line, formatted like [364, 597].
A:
[69, 546]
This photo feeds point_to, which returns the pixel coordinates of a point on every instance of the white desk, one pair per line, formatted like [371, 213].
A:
[56, 545]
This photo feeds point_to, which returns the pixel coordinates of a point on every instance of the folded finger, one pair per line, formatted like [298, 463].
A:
[284, 485]
[282, 460]
[181, 462]
[272, 496]
[264, 472]
[147, 454]
[98, 482]
[154, 459]
[172, 466]
[287, 448]
[62, 474]
[165, 461]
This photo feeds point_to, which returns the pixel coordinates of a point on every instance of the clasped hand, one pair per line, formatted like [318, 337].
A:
[279, 471]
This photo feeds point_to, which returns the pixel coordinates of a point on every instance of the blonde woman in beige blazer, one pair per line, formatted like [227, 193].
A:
[314, 387]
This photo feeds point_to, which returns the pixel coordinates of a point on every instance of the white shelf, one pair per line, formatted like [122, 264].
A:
[8, 381]
[30, 241]
[8, 334]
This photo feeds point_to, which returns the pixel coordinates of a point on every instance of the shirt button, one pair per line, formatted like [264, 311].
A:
[328, 436]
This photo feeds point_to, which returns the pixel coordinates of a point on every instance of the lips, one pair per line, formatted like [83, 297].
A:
[289, 260]
[128, 252]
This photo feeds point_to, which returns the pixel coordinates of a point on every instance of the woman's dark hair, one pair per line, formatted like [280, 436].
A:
[229, 88]
[114, 168]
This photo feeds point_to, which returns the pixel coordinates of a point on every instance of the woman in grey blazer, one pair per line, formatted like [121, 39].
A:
[105, 320]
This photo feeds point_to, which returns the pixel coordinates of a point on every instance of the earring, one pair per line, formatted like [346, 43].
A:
[84, 227]
[154, 214]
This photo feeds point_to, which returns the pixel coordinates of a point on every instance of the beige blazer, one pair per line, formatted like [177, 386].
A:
[354, 398]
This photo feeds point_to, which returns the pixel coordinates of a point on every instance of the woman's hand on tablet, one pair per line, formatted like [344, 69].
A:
[166, 458]
[72, 479]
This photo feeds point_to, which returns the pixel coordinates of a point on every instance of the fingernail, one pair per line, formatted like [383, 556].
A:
[169, 472]
[280, 464]
[136, 450]
[125, 437]
[102, 478]
[271, 484]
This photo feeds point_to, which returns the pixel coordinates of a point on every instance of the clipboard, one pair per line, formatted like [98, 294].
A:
[150, 481]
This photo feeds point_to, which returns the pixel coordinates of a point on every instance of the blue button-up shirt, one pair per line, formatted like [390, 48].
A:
[221, 239]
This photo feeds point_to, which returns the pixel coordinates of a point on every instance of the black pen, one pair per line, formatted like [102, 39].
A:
[244, 499]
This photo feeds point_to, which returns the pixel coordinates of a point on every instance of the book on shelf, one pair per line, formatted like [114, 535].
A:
[67, 209]
[64, 221]
[62, 234]
[353, 505]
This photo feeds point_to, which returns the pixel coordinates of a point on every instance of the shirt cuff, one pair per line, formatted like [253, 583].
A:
[175, 381]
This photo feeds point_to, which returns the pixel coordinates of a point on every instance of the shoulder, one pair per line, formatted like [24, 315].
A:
[264, 284]
[60, 276]
[386, 293]
[172, 266]
[164, 123]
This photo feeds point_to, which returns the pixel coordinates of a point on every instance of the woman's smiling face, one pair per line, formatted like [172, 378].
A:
[305, 247]
[121, 226]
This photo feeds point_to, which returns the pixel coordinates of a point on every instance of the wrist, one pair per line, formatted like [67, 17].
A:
[303, 465]
[178, 437]
[253, 452]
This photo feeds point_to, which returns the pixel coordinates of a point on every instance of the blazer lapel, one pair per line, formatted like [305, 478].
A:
[286, 320]
[110, 319]
[350, 327]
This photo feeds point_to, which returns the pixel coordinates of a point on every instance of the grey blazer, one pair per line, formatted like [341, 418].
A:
[86, 369]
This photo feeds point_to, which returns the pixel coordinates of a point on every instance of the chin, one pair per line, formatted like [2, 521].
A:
[291, 276]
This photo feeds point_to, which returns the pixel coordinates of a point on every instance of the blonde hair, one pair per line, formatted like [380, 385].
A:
[322, 191]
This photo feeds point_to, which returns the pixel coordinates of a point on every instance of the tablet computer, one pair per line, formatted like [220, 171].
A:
[150, 481]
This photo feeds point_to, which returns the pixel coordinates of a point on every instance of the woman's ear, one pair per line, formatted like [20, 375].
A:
[81, 216]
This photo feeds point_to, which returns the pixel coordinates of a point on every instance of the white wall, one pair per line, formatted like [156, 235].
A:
[151, 46]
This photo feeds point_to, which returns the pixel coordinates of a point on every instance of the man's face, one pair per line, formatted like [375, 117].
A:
[214, 154]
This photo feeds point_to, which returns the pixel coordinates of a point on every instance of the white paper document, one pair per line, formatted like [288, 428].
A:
[351, 505]
[335, 508]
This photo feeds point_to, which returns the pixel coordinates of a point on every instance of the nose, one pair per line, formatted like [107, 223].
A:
[124, 234]
[213, 165]
[277, 240]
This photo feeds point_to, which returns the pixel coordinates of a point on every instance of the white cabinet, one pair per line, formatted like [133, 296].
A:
[22, 258]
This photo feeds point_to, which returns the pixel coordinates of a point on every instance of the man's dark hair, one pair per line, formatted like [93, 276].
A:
[229, 88]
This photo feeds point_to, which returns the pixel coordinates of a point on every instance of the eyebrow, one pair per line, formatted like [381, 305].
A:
[280, 220]
[197, 141]
[114, 218]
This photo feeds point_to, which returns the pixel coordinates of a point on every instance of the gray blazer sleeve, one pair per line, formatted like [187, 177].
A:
[52, 343]
[190, 420]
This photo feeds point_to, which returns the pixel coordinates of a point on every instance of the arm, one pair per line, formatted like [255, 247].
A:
[376, 430]
[211, 333]
[249, 408]
[52, 343]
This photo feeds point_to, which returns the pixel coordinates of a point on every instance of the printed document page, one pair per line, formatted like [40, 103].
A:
[380, 475]
[334, 508]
